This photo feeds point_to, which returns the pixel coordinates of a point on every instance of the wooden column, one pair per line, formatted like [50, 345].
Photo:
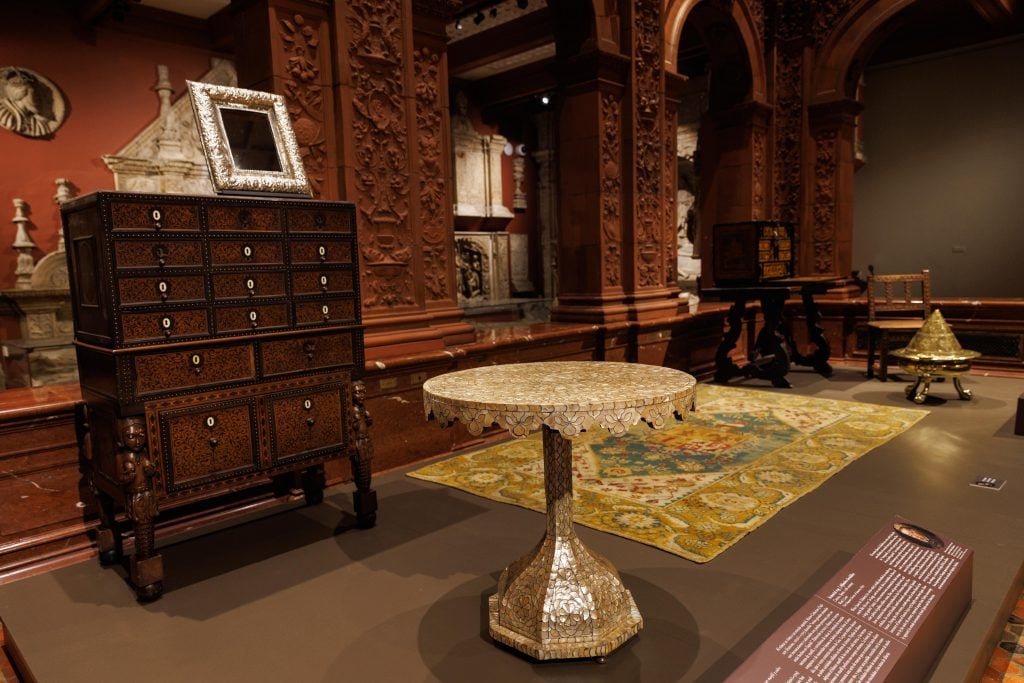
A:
[433, 184]
[284, 46]
[617, 203]
[826, 244]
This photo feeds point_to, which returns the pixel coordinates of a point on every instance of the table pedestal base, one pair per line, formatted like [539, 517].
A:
[562, 600]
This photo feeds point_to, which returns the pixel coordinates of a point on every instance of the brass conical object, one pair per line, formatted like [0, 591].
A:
[935, 352]
[935, 341]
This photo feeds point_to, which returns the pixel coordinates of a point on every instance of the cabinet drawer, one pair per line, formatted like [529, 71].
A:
[319, 220]
[164, 325]
[326, 251]
[246, 253]
[321, 282]
[306, 424]
[326, 311]
[206, 443]
[248, 285]
[148, 253]
[155, 290]
[157, 373]
[302, 354]
[245, 219]
[141, 217]
[250, 318]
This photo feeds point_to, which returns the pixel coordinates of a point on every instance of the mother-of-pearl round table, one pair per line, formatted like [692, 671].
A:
[561, 600]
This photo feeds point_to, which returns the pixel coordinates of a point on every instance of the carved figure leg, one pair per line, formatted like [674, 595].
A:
[725, 368]
[965, 394]
[561, 600]
[136, 472]
[108, 536]
[773, 361]
[364, 498]
[313, 482]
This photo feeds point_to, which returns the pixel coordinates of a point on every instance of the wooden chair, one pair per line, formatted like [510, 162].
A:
[894, 313]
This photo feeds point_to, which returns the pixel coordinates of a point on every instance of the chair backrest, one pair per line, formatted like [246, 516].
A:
[909, 295]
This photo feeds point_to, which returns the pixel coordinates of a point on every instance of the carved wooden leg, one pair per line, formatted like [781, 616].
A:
[364, 498]
[965, 394]
[818, 359]
[774, 361]
[883, 358]
[313, 481]
[137, 470]
[725, 368]
[871, 352]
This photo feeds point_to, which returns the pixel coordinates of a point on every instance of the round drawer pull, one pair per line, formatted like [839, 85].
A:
[320, 220]
[167, 323]
[309, 348]
[323, 282]
[250, 284]
[310, 422]
[157, 217]
[164, 289]
[160, 254]
[322, 250]
[326, 311]
[244, 218]
[253, 315]
[213, 442]
[196, 362]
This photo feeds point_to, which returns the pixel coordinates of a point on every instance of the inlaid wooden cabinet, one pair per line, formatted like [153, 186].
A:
[219, 345]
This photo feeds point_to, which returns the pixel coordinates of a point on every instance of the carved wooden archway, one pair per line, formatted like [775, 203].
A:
[734, 133]
[832, 108]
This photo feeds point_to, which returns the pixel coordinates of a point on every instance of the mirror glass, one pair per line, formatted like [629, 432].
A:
[251, 140]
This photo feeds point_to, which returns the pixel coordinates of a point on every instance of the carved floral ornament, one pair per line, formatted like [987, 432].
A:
[304, 95]
[30, 104]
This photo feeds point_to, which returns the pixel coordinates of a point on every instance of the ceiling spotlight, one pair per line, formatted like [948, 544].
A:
[545, 100]
[521, 4]
[458, 24]
[478, 18]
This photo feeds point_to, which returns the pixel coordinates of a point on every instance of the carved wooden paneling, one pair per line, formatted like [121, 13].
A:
[648, 91]
[669, 187]
[375, 31]
[435, 203]
[757, 181]
[824, 206]
[301, 37]
[611, 188]
[788, 125]
[827, 14]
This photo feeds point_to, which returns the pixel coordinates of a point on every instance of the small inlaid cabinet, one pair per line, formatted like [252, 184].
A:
[219, 346]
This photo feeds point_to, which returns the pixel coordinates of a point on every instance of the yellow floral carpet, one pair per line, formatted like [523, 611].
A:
[696, 487]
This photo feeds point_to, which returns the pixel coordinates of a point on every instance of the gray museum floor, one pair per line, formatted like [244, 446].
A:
[285, 598]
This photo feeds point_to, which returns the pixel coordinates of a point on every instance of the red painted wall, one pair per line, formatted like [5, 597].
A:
[106, 75]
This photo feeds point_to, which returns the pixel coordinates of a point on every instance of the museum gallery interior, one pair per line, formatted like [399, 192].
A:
[512, 340]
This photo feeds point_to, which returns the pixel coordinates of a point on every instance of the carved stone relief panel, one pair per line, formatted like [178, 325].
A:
[482, 267]
[167, 155]
[477, 167]
[519, 263]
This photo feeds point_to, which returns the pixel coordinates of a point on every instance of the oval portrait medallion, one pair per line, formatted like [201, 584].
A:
[30, 104]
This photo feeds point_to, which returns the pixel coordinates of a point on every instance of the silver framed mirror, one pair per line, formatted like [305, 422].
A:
[248, 140]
